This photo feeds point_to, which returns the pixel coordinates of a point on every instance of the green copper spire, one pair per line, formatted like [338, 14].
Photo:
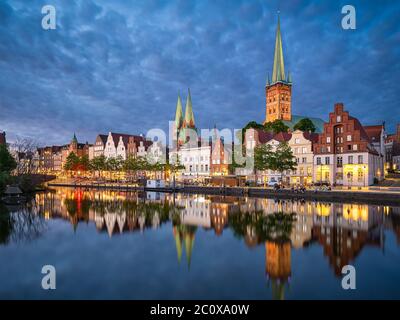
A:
[278, 73]
[268, 82]
[178, 113]
[189, 117]
[74, 139]
[289, 77]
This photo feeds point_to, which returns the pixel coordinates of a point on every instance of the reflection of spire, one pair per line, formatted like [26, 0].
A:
[184, 233]
[110, 219]
[121, 218]
[178, 243]
[278, 289]
[142, 220]
[189, 241]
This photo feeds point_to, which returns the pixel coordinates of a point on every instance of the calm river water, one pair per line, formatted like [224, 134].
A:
[117, 245]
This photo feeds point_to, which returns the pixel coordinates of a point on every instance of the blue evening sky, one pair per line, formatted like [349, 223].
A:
[118, 65]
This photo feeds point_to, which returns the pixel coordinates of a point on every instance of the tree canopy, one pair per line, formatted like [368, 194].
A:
[7, 164]
[305, 124]
[263, 157]
[283, 158]
[7, 161]
[72, 162]
[276, 126]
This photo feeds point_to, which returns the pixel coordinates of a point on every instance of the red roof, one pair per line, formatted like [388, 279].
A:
[282, 136]
[374, 132]
[263, 136]
[125, 138]
[358, 126]
[311, 136]
[103, 138]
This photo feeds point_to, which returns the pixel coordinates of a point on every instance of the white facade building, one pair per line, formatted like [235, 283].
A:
[196, 161]
[301, 144]
[348, 169]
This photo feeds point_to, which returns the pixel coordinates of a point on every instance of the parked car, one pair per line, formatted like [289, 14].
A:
[272, 183]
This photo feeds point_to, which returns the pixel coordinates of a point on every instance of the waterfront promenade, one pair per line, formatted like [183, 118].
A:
[373, 194]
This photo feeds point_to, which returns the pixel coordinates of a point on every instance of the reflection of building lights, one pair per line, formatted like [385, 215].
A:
[355, 212]
[323, 209]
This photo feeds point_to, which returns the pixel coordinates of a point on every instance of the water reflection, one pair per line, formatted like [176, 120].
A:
[279, 226]
[20, 224]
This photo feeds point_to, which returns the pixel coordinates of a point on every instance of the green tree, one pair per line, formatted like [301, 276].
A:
[283, 159]
[7, 161]
[72, 162]
[114, 164]
[98, 164]
[305, 125]
[250, 125]
[263, 158]
[276, 126]
[84, 163]
[5, 179]
[7, 164]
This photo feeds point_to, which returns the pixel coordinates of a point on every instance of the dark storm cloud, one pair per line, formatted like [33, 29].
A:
[118, 65]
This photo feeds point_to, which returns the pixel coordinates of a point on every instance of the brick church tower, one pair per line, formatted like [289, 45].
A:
[278, 90]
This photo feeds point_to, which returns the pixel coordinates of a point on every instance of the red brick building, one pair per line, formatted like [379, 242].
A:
[219, 165]
[344, 153]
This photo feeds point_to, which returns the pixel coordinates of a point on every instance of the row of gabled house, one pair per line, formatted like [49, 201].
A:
[111, 145]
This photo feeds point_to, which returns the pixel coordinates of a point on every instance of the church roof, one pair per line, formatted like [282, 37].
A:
[74, 139]
[178, 113]
[189, 117]
[318, 123]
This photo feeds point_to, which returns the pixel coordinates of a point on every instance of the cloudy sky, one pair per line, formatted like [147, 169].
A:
[118, 65]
